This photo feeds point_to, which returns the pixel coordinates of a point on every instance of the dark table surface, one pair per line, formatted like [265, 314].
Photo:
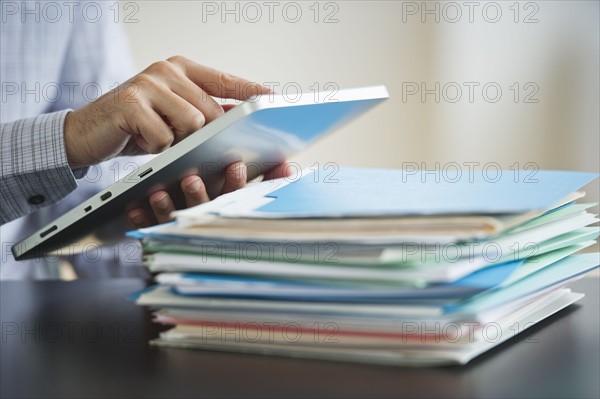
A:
[84, 339]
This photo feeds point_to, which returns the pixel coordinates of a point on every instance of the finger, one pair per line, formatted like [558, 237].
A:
[217, 83]
[184, 118]
[151, 132]
[194, 191]
[138, 218]
[162, 206]
[280, 170]
[227, 107]
[132, 148]
[183, 87]
[236, 176]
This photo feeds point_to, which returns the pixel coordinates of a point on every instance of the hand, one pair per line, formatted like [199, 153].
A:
[194, 192]
[159, 107]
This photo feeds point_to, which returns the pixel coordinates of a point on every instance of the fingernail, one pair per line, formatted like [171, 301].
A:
[241, 171]
[137, 217]
[162, 202]
[193, 186]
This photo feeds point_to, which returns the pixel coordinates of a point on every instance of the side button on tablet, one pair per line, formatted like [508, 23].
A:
[36, 199]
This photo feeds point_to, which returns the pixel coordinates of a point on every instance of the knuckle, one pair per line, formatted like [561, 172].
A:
[162, 67]
[130, 92]
[225, 79]
[143, 80]
[177, 59]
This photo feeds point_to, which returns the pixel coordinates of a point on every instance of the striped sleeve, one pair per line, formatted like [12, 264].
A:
[34, 171]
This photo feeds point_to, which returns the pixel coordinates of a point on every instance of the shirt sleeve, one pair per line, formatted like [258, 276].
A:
[34, 171]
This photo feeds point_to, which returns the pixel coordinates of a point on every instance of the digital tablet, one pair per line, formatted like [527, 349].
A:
[261, 132]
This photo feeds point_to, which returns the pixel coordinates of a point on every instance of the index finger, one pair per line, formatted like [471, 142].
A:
[217, 83]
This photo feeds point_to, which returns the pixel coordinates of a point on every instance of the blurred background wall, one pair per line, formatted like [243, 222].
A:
[510, 83]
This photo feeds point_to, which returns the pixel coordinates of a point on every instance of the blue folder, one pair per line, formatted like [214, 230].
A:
[395, 192]
[468, 286]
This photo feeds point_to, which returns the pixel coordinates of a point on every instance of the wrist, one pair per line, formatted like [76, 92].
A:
[72, 137]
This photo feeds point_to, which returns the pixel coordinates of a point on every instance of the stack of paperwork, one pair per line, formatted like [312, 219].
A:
[368, 265]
